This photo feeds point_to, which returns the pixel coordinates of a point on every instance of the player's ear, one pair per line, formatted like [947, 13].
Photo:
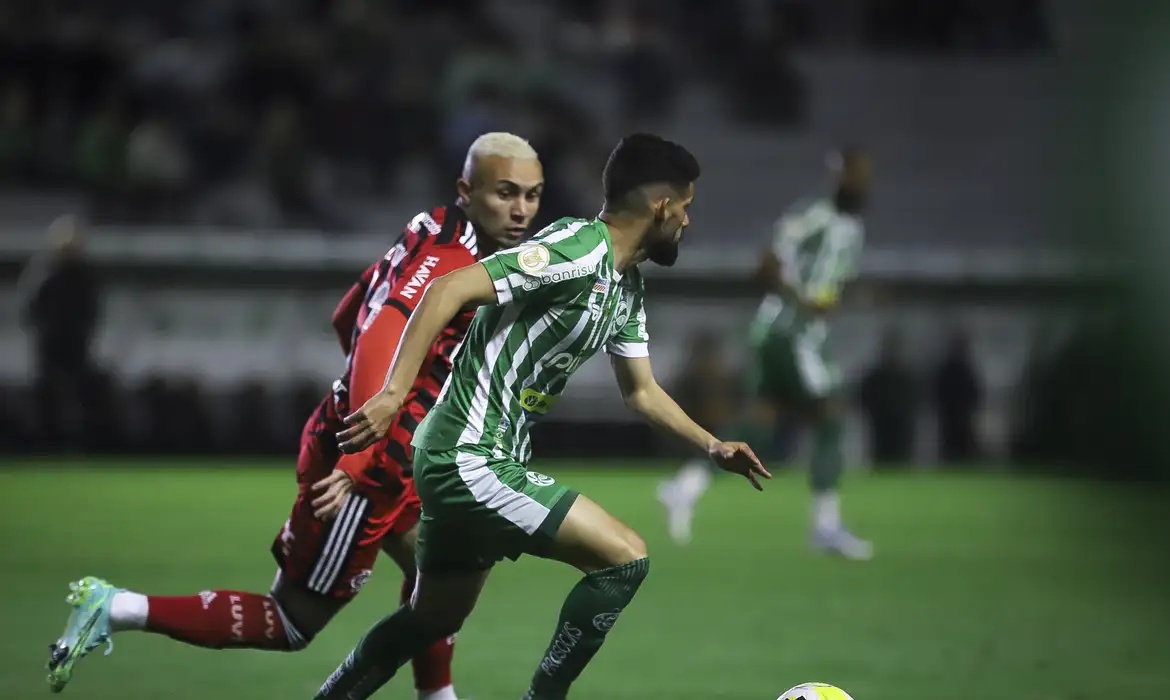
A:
[662, 209]
[463, 188]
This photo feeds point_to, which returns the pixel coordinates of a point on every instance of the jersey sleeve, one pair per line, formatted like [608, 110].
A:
[632, 340]
[539, 270]
[390, 308]
[346, 314]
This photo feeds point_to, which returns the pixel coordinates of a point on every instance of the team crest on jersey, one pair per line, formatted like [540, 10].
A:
[538, 479]
[359, 580]
[605, 621]
[623, 312]
[533, 258]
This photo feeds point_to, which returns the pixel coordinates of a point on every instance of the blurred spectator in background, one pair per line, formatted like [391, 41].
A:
[766, 88]
[101, 157]
[158, 170]
[974, 25]
[288, 165]
[646, 82]
[284, 159]
[958, 395]
[17, 135]
[61, 308]
[889, 398]
[705, 386]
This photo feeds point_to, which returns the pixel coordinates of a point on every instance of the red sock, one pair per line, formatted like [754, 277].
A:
[432, 667]
[219, 620]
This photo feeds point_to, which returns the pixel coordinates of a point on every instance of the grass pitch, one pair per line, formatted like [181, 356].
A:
[982, 587]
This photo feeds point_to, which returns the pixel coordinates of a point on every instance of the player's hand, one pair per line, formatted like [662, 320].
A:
[370, 423]
[333, 488]
[738, 458]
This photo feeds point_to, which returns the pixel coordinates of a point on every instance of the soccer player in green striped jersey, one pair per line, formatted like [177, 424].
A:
[815, 253]
[545, 308]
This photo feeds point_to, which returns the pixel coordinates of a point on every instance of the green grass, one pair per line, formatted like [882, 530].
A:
[983, 587]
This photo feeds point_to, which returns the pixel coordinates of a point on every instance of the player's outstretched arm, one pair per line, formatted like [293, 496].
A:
[346, 314]
[642, 393]
[446, 297]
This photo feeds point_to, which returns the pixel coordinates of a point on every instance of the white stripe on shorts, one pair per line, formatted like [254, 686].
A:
[339, 544]
[521, 510]
[817, 377]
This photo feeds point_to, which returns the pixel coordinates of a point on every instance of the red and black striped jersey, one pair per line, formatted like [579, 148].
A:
[435, 243]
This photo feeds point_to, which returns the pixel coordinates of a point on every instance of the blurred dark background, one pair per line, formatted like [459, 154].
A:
[186, 189]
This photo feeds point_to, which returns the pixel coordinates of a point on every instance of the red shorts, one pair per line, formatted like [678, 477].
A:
[335, 558]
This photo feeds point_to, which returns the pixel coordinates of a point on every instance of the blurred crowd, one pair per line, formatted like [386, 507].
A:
[286, 113]
[75, 404]
[296, 113]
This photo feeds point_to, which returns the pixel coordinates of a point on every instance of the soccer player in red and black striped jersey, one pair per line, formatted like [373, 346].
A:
[323, 563]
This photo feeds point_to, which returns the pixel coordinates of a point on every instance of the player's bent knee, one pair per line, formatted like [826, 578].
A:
[591, 539]
[633, 547]
[303, 614]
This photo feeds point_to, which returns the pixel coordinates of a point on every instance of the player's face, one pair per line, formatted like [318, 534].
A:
[503, 197]
[672, 218]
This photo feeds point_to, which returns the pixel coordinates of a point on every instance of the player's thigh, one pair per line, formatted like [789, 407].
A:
[591, 539]
[401, 548]
[331, 559]
[478, 509]
[318, 452]
[401, 541]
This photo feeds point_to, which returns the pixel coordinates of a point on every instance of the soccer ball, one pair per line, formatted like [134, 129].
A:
[815, 691]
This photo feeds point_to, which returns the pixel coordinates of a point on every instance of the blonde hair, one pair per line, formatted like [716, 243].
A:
[500, 144]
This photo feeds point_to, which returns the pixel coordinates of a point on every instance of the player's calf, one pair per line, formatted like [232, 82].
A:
[436, 611]
[211, 619]
[615, 563]
[431, 666]
[222, 619]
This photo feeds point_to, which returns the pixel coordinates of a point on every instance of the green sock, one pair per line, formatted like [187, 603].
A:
[827, 458]
[589, 612]
[377, 657]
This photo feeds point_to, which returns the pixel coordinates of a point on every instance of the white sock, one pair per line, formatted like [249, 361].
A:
[447, 693]
[693, 480]
[826, 511]
[128, 611]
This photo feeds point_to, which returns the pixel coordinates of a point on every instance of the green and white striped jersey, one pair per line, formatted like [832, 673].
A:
[559, 301]
[819, 248]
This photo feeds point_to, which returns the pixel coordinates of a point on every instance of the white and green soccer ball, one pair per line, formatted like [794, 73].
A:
[815, 691]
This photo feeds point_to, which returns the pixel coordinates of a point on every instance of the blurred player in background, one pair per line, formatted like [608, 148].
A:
[62, 300]
[548, 307]
[323, 563]
[817, 249]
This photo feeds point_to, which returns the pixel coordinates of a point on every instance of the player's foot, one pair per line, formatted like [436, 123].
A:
[87, 629]
[680, 511]
[842, 542]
